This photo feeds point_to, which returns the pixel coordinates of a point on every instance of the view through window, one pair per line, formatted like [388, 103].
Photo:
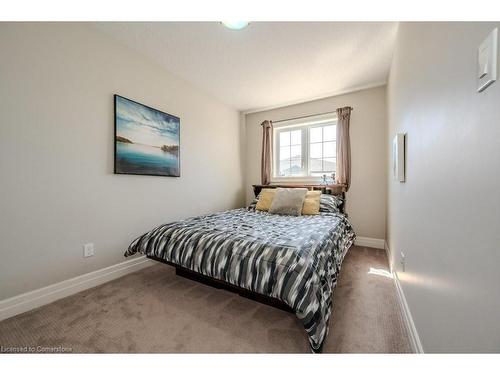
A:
[305, 148]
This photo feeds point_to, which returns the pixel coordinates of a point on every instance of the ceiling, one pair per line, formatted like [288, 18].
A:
[267, 64]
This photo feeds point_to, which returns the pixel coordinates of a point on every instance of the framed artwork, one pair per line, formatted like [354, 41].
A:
[398, 157]
[147, 141]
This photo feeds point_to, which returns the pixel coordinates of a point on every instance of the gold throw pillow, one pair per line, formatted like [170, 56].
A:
[311, 203]
[265, 199]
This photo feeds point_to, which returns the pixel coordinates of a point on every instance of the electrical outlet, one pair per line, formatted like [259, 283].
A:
[88, 250]
[403, 261]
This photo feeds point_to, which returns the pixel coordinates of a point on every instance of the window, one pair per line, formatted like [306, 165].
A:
[290, 153]
[305, 148]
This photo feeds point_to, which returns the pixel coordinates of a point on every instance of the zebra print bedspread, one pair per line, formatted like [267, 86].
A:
[293, 258]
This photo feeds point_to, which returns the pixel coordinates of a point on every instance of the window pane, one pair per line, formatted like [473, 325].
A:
[329, 164]
[329, 133]
[296, 137]
[315, 134]
[315, 150]
[315, 164]
[284, 168]
[296, 167]
[285, 153]
[329, 150]
[284, 138]
[296, 152]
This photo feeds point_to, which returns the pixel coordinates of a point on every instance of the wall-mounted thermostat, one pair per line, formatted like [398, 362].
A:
[487, 61]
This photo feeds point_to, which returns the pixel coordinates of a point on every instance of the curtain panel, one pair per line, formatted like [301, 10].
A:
[343, 174]
[267, 152]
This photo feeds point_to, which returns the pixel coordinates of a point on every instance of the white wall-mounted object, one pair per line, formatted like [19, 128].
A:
[88, 250]
[487, 61]
[398, 157]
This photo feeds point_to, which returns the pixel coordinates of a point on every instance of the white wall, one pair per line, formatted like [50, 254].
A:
[366, 199]
[446, 216]
[58, 189]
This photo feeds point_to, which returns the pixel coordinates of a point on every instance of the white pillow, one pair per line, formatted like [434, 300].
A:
[288, 201]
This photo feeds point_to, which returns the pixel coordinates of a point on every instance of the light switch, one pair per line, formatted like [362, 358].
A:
[487, 61]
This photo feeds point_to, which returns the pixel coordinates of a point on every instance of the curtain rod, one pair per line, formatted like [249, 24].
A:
[300, 117]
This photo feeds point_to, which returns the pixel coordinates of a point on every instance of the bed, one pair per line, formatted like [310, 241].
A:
[290, 262]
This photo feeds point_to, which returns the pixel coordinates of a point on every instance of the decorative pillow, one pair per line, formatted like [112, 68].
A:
[311, 203]
[265, 199]
[330, 203]
[288, 201]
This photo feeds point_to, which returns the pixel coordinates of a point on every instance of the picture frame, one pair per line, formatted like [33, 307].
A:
[146, 141]
[398, 157]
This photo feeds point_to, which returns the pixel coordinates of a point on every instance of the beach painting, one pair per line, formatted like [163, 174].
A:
[146, 140]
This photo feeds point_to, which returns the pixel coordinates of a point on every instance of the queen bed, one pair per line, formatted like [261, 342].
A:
[290, 262]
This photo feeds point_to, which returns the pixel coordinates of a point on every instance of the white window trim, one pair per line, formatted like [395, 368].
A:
[314, 120]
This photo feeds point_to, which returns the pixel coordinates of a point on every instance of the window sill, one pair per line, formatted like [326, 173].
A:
[305, 180]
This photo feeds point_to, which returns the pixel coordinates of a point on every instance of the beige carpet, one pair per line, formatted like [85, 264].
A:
[154, 310]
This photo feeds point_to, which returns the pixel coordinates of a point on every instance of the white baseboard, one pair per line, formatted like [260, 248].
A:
[416, 344]
[389, 255]
[39, 297]
[376, 243]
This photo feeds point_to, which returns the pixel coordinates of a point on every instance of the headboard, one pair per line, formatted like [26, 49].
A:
[325, 189]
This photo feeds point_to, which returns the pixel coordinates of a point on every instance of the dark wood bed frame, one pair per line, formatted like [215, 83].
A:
[220, 284]
[325, 189]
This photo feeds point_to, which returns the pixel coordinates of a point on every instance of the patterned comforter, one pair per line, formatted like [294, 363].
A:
[294, 259]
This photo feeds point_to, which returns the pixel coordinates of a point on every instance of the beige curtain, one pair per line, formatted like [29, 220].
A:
[267, 152]
[343, 174]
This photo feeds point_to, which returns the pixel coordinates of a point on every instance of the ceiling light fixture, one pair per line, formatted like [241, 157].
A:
[235, 25]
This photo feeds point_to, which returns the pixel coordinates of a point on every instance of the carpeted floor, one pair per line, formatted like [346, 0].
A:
[153, 310]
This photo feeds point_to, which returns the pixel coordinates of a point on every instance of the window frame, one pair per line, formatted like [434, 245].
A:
[304, 123]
